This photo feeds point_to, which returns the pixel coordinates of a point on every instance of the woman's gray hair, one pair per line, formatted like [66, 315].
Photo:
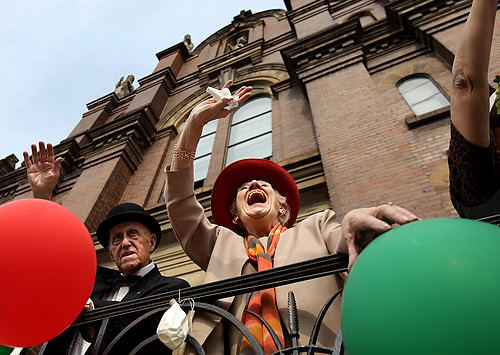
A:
[283, 219]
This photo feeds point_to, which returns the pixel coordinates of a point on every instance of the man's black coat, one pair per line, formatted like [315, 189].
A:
[151, 283]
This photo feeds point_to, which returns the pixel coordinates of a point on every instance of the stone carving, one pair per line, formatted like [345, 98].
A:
[124, 88]
[8, 164]
[243, 16]
[187, 42]
[240, 42]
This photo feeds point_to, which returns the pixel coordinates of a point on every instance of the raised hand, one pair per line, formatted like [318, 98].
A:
[361, 226]
[211, 109]
[43, 171]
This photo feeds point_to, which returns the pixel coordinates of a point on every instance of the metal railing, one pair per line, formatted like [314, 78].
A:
[149, 309]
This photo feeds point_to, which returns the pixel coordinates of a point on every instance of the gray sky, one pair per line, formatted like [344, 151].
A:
[58, 55]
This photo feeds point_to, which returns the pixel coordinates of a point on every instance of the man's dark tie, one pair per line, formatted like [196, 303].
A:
[130, 280]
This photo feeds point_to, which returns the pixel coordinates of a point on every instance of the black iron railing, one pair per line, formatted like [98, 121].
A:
[149, 309]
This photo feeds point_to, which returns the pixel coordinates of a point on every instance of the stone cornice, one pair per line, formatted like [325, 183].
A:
[104, 100]
[430, 15]
[165, 74]
[128, 136]
[322, 53]
[281, 86]
[180, 47]
[166, 132]
[250, 53]
[307, 11]
[227, 30]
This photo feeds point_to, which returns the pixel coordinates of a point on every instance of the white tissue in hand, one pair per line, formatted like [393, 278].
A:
[174, 326]
[223, 94]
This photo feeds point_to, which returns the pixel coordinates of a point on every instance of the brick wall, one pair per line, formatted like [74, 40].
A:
[367, 156]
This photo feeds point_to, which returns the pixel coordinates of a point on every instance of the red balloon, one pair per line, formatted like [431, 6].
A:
[47, 270]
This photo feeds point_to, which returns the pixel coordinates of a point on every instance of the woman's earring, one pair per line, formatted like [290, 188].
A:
[282, 211]
[235, 220]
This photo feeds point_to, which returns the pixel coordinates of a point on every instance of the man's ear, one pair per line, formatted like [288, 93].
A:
[110, 253]
[152, 240]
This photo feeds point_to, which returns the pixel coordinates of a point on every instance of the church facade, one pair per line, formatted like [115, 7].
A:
[351, 97]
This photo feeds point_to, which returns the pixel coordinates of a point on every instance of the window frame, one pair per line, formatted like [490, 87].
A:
[415, 120]
[269, 111]
[200, 182]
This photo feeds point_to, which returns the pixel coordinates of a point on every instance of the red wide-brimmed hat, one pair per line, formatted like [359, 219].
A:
[241, 171]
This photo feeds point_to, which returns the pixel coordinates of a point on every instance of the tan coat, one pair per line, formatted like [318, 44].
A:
[221, 253]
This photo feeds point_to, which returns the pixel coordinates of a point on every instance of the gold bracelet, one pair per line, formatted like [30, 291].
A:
[184, 154]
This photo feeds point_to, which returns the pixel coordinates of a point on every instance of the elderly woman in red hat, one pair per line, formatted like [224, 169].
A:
[255, 203]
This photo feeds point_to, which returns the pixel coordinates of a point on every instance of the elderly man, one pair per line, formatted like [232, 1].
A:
[129, 234]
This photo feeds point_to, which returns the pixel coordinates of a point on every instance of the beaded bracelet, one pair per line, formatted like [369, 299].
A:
[183, 154]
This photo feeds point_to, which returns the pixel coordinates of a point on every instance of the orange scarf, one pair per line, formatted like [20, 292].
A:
[263, 302]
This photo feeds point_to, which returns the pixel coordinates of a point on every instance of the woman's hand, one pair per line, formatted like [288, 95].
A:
[361, 226]
[203, 113]
[44, 171]
[211, 109]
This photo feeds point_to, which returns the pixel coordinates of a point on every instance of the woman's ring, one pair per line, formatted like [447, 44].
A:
[390, 203]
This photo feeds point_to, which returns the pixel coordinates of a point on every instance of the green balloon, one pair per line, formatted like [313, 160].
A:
[5, 350]
[427, 287]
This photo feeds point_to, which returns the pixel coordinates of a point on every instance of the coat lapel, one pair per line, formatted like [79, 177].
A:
[148, 281]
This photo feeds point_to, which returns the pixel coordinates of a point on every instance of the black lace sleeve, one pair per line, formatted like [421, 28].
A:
[474, 171]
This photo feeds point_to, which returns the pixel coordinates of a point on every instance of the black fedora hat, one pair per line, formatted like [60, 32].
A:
[127, 212]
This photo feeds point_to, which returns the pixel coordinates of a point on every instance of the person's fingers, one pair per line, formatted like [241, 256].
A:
[395, 214]
[241, 89]
[353, 255]
[242, 92]
[27, 160]
[406, 213]
[43, 152]
[370, 223]
[243, 98]
[228, 84]
[50, 152]
[34, 154]
[58, 162]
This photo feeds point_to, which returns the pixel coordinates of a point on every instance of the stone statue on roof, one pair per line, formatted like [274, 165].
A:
[124, 87]
[187, 42]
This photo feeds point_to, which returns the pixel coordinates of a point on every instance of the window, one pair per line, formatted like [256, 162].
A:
[251, 131]
[422, 95]
[203, 152]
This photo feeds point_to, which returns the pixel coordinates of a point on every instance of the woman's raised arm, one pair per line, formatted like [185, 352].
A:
[469, 100]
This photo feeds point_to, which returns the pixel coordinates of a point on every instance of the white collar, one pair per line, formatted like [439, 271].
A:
[144, 270]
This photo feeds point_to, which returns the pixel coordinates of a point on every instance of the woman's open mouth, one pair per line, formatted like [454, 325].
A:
[256, 196]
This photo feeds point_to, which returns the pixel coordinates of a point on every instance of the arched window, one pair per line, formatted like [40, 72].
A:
[204, 152]
[422, 95]
[251, 131]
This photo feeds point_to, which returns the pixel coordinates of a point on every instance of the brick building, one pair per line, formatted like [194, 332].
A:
[350, 96]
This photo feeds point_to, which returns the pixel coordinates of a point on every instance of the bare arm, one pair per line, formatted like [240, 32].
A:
[203, 113]
[469, 99]
[43, 171]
